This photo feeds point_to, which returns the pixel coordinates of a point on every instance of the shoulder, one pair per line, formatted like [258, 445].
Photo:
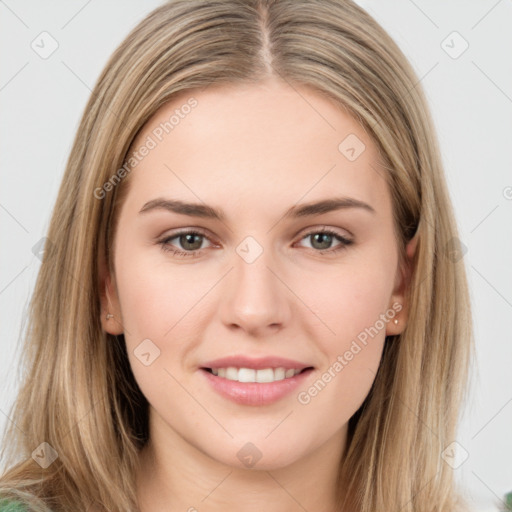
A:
[11, 506]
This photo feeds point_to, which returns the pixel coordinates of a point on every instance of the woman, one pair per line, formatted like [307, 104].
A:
[253, 296]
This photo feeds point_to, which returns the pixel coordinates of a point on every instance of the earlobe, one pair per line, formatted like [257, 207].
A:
[110, 311]
[398, 302]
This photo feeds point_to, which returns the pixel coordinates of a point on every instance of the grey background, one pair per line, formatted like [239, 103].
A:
[42, 99]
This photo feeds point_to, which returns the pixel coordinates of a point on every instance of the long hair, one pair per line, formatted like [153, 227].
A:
[79, 395]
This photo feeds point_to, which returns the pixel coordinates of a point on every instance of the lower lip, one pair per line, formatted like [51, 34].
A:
[255, 393]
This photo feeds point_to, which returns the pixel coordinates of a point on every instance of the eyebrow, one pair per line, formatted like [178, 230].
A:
[296, 211]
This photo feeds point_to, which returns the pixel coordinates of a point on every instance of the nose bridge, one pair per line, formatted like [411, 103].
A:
[255, 298]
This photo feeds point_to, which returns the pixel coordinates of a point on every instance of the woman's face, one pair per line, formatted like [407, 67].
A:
[256, 172]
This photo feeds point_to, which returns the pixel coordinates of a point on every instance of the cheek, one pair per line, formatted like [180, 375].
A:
[156, 296]
[345, 301]
[160, 306]
[348, 301]
[353, 306]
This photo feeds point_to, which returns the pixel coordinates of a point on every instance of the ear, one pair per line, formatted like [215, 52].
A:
[109, 300]
[398, 302]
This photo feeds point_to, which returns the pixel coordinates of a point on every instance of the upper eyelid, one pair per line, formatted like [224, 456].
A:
[186, 231]
[309, 231]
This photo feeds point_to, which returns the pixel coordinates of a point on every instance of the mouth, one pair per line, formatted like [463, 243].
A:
[260, 375]
[255, 386]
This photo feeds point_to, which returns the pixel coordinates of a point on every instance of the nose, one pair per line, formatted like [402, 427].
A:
[255, 299]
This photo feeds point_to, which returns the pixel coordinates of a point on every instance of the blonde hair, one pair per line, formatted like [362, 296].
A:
[79, 394]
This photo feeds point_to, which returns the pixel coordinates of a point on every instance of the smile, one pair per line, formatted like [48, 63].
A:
[252, 375]
[239, 385]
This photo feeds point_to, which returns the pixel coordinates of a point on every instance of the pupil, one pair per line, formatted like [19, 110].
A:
[323, 237]
[186, 239]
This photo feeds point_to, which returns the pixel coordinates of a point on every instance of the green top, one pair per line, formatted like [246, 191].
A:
[508, 500]
[16, 506]
[11, 506]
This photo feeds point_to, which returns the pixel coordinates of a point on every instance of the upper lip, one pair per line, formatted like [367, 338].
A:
[257, 363]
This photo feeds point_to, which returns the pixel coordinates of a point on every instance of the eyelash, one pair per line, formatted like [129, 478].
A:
[165, 246]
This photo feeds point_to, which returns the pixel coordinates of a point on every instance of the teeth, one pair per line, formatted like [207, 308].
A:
[231, 373]
[279, 374]
[265, 375]
[252, 375]
[245, 375]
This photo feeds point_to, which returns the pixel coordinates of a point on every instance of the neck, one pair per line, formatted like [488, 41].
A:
[175, 476]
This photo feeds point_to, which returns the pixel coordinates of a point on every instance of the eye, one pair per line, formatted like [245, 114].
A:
[322, 239]
[191, 241]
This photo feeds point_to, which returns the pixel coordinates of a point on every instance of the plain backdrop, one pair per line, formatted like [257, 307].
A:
[461, 51]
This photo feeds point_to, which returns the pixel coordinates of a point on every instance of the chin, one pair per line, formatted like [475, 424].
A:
[259, 456]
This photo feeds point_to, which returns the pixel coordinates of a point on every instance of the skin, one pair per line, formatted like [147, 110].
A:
[253, 151]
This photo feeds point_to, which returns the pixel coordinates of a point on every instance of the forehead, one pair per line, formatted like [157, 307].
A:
[254, 142]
